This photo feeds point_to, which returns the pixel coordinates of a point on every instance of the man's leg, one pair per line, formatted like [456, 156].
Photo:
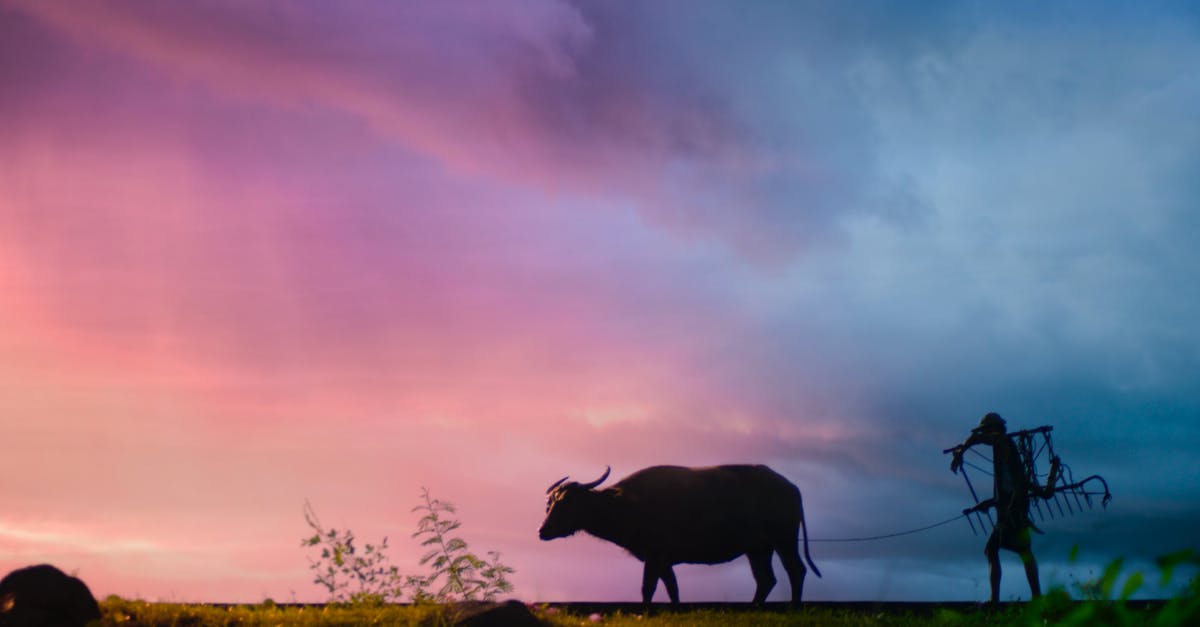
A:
[1025, 550]
[1031, 573]
[992, 551]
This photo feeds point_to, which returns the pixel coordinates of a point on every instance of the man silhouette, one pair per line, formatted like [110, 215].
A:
[1010, 497]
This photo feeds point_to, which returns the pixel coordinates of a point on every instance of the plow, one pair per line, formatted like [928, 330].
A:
[1054, 493]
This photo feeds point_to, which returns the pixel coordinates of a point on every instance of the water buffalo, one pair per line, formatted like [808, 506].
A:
[45, 595]
[667, 515]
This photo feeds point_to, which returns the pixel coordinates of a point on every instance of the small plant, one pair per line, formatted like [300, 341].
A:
[1091, 589]
[368, 578]
[341, 566]
[1104, 604]
[463, 575]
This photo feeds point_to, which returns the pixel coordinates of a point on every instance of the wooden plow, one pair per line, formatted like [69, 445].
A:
[1054, 491]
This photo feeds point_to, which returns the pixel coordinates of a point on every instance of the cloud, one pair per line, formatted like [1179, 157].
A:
[591, 102]
[57, 540]
[813, 236]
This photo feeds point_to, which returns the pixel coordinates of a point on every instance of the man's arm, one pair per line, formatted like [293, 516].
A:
[956, 461]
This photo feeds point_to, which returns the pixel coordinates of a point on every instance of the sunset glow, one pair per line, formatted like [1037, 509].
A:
[253, 254]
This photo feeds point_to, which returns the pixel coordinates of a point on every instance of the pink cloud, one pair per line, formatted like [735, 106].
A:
[399, 74]
[225, 291]
[152, 262]
[522, 93]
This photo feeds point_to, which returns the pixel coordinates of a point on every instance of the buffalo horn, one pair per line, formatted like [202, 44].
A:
[555, 485]
[589, 486]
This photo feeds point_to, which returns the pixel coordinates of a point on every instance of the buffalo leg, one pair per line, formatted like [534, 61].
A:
[649, 582]
[764, 575]
[789, 554]
[672, 586]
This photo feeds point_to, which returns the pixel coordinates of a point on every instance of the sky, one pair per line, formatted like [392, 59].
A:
[254, 254]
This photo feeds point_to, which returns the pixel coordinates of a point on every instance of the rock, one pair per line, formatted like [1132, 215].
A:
[487, 614]
[44, 595]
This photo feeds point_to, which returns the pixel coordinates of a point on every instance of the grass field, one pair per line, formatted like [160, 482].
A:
[1054, 609]
[1108, 605]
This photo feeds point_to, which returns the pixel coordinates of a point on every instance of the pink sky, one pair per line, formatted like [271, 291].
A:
[257, 254]
[245, 264]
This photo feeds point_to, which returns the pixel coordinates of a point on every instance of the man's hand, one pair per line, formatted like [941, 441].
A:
[956, 461]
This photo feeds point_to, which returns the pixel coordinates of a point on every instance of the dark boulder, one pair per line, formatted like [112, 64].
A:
[488, 614]
[46, 596]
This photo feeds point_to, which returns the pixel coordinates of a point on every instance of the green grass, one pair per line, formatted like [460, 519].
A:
[806, 616]
[1106, 605]
[1055, 610]
[118, 611]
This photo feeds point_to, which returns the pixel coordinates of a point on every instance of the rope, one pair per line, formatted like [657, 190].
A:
[891, 535]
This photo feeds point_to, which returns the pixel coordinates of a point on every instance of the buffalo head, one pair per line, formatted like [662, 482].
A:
[567, 508]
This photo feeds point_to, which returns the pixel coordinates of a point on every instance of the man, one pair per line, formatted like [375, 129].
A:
[1010, 497]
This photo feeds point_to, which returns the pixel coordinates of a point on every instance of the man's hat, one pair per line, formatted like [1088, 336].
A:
[992, 422]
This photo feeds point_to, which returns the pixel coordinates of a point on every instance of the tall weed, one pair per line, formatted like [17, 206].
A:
[365, 576]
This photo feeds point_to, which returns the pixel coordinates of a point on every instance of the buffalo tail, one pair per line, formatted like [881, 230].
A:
[804, 530]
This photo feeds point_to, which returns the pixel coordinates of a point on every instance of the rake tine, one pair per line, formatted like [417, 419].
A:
[1078, 503]
[1059, 504]
[970, 486]
[1067, 499]
[968, 517]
